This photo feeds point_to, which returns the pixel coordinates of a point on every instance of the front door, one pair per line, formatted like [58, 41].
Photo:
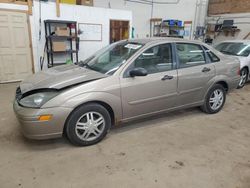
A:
[193, 73]
[15, 51]
[152, 93]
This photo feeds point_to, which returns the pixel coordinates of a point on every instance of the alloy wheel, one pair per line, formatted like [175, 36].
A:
[90, 126]
[216, 99]
[243, 77]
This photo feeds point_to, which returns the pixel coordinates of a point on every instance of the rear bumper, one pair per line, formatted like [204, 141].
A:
[34, 129]
[234, 83]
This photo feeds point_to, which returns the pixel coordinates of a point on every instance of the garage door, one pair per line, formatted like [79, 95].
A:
[15, 51]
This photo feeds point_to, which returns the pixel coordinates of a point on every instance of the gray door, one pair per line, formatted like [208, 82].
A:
[193, 73]
[152, 93]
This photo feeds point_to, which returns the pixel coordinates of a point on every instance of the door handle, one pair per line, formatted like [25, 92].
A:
[167, 77]
[206, 69]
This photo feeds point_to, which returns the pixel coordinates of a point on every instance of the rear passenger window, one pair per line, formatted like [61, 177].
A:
[190, 55]
[211, 55]
[156, 59]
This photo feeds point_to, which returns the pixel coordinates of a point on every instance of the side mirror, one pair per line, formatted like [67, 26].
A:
[138, 72]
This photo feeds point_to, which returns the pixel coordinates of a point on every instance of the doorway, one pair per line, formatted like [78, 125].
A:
[15, 46]
[119, 30]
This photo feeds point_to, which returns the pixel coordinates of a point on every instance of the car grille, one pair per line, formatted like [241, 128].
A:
[18, 94]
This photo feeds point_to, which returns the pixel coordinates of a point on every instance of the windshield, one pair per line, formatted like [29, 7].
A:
[109, 59]
[234, 48]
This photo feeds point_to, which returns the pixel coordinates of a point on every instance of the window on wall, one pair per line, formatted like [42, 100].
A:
[119, 30]
[156, 59]
[190, 55]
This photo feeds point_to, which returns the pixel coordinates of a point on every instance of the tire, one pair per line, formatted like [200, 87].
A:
[88, 124]
[218, 93]
[243, 78]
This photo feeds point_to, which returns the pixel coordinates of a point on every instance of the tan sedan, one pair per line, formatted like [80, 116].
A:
[125, 81]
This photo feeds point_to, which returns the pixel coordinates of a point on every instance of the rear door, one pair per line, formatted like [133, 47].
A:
[194, 72]
[152, 93]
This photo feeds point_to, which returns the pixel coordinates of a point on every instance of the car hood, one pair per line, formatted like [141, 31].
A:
[59, 78]
[242, 59]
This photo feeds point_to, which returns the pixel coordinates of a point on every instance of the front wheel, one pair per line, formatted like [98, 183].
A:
[88, 124]
[243, 78]
[214, 100]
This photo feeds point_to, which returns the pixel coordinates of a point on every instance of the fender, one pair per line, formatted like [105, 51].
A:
[214, 80]
[112, 100]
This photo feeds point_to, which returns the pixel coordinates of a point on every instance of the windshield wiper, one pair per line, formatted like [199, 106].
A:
[226, 52]
[83, 63]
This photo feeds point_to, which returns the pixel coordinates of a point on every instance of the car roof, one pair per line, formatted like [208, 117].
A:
[235, 41]
[161, 39]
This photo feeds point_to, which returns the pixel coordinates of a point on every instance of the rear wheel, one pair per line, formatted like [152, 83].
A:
[88, 124]
[214, 100]
[243, 78]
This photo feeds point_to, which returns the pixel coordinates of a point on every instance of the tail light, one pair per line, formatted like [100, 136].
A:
[238, 71]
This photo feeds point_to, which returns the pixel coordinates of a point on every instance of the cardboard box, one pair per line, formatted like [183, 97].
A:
[58, 46]
[85, 2]
[62, 31]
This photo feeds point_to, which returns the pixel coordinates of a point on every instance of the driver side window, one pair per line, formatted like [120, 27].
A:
[156, 59]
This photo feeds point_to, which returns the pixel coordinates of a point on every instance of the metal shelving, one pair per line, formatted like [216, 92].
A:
[159, 28]
[72, 39]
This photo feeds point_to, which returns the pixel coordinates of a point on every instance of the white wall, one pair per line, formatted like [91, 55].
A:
[13, 6]
[242, 21]
[81, 14]
[184, 10]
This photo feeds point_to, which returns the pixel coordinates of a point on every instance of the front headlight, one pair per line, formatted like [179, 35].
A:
[38, 99]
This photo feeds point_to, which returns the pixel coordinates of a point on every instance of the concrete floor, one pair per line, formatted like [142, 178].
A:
[185, 149]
